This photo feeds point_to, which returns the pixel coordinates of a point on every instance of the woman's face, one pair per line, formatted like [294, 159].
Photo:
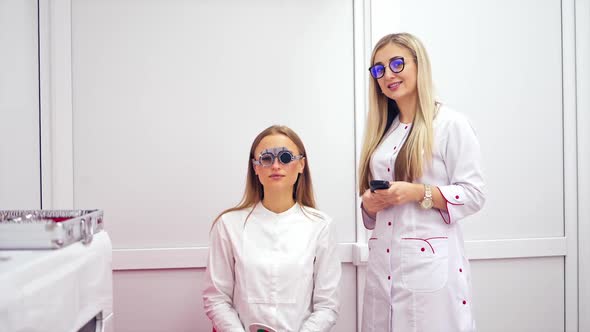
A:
[278, 176]
[402, 85]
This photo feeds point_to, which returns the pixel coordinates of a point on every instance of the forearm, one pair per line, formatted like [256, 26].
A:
[225, 318]
[439, 202]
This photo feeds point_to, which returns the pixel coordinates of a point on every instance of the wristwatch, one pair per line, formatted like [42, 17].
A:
[426, 202]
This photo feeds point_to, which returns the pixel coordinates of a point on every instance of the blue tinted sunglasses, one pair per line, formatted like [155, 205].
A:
[396, 64]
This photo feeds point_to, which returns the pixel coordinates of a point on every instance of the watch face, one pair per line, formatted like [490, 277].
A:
[426, 204]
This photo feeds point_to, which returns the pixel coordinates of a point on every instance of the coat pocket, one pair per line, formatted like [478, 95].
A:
[424, 263]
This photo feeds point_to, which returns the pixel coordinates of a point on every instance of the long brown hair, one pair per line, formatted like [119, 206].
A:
[417, 150]
[254, 192]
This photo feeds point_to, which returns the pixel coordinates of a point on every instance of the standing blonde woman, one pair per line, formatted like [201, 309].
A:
[273, 264]
[418, 278]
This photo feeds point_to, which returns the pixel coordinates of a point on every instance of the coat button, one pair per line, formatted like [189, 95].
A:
[395, 147]
[457, 197]
[464, 302]
[422, 249]
[389, 223]
[406, 127]
[387, 249]
[388, 277]
[460, 270]
[388, 169]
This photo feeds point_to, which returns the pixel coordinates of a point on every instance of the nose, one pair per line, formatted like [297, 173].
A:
[276, 163]
[389, 73]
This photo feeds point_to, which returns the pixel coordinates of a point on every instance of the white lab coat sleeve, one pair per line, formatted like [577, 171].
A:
[368, 221]
[219, 282]
[326, 294]
[462, 158]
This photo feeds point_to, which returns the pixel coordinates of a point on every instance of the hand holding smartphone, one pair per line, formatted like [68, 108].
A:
[378, 184]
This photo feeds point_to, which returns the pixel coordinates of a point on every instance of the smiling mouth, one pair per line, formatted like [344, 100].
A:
[394, 85]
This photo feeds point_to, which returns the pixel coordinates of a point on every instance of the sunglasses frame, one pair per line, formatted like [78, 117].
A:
[276, 156]
[388, 65]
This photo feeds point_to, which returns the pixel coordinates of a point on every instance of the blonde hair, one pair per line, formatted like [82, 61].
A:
[417, 150]
[254, 192]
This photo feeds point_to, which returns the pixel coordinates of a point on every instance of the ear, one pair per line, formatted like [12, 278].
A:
[254, 168]
[301, 165]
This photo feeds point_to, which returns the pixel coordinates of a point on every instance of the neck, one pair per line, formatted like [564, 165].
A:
[407, 109]
[278, 202]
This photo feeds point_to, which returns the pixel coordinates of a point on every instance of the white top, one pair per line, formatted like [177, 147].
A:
[418, 277]
[281, 270]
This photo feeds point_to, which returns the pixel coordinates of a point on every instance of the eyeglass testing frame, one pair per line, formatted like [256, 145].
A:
[378, 70]
[267, 157]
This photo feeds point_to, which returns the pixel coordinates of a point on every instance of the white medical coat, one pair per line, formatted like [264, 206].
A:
[418, 278]
[281, 270]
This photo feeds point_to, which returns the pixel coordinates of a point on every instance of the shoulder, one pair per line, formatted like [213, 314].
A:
[447, 115]
[316, 215]
[449, 120]
[319, 219]
[233, 218]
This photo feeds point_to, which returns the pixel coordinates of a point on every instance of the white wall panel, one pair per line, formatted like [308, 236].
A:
[168, 96]
[170, 300]
[517, 295]
[499, 62]
[159, 300]
[524, 295]
[19, 106]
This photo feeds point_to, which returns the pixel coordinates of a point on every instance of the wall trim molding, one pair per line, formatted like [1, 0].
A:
[196, 257]
[570, 166]
[582, 49]
[55, 77]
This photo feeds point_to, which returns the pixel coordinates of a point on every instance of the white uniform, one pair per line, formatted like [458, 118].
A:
[418, 278]
[281, 270]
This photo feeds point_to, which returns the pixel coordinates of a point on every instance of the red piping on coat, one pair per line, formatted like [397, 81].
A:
[426, 240]
[448, 211]
[443, 217]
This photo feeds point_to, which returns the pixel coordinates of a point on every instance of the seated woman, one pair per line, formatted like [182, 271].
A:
[273, 258]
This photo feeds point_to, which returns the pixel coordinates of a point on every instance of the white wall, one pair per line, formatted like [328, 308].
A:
[19, 106]
[169, 95]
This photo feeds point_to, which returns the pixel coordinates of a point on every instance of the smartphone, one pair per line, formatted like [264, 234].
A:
[378, 184]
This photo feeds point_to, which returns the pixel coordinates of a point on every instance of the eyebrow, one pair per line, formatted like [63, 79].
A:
[282, 148]
[393, 57]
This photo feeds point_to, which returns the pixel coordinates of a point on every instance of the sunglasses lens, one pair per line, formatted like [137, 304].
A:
[266, 159]
[285, 157]
[396, 65]
[377, 71]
